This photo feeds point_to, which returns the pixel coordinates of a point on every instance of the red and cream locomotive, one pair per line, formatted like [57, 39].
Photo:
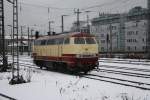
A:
[74, 52]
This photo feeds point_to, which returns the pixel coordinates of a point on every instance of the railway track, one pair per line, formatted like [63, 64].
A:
[125, 62]
[126, 68]
[6, 97]
[102, 69]
[135, 84]
[124, 82]
[124, 71]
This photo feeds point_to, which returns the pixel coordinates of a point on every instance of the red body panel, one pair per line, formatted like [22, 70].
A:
[72, 61]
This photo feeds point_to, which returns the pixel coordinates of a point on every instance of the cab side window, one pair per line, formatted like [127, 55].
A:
[79, 40]
[59, 41]
[50, 42]
[37, 42]
[43, 42]
[67, 41]
[90, 41]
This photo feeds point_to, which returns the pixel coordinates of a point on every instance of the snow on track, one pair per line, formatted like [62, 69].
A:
[48, 85]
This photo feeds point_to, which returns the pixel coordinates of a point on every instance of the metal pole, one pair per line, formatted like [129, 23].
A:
[28, 41]
[11, 31]
[3, 38]
[31, 40]
[78, 21]
[50, 27]
[148, 35]
[16, 12]
[111, 48]
[31, 33]
[107, 39]
[88, 25]
[21, 41]
[62, 20]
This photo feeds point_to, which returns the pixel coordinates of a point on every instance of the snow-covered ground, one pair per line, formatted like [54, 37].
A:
[48, 85]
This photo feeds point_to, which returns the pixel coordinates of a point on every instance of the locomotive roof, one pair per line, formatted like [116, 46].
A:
[74, 34]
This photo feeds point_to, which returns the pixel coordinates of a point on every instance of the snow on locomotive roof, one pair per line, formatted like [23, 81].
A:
[73, 34]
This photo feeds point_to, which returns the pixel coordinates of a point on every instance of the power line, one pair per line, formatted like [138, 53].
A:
[105, 4]
[10, 1]
[43, 6]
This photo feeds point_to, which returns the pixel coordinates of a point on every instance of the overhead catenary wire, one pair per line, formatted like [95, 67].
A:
[101, 5]
[44, 6]
[109, 4]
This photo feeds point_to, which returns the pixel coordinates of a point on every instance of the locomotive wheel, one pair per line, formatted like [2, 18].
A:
[55, 66]
[39, 63]
[71, 70]
[35, 62]
[85, 72]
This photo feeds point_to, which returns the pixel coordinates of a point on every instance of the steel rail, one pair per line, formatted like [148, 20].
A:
[126, 73]
[125, 63]
[8, 97]
[115, 82]
[126, 68]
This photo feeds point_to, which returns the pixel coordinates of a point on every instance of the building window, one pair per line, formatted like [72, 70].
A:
[143, 40]
[102, 48]
[145, 24]
[145, 33]
[102, 35]
[136, 24]
[96, 29]
[144, 47]
[130, 33]
[114, 27]
[102, 41]
[114, 34]
[128, 48]
[137, 32]
[135, 40]
[132, 40]
[135, 47]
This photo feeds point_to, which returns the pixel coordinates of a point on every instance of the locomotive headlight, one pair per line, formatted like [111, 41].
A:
[85, 55]
[94, 55]
[78, 55]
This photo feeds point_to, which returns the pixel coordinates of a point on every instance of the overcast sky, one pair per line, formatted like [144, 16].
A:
[34, 13]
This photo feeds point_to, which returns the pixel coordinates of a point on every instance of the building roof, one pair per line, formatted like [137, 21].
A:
[110, 18]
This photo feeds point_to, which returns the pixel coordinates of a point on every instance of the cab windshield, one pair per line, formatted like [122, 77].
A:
[90, 41]
[79, 40]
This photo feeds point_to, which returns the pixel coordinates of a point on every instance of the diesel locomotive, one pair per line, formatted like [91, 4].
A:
[74, 52]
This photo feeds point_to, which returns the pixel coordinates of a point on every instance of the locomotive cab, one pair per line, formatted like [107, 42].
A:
[83, 52]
